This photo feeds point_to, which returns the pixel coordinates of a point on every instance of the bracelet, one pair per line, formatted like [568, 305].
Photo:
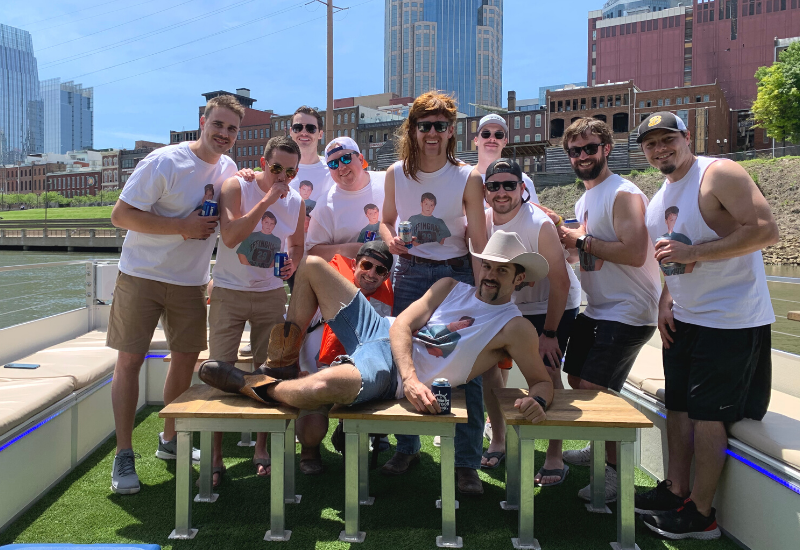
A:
[560, 221]
[541, 402]
[588, 245]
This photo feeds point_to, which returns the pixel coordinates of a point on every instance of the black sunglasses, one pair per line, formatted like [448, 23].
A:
[277, 169]
[310, 128]
[486, 134]
[590, 149]
[441, 126]
[366, 265]
[346, 159]
[494, 186]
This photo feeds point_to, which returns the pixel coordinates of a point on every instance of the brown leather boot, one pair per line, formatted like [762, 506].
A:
[283, 354]
[226, 377]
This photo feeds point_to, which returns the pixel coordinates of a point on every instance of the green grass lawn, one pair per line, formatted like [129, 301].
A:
[82, 508]
[66, 213]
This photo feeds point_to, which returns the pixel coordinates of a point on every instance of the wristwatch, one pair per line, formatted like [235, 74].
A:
[579, 242]
[550, 333]
[541, 402]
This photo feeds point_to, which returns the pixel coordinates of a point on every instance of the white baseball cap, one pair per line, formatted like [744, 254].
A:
[493, 119]
[341, 144]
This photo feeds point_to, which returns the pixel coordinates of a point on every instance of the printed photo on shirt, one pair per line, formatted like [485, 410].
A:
[589, 262]
[373, 214]
[674, 268]
[426, 227]
[441, 340]
[305, 189]
[208, 195]
[259, 248]
[309, 207]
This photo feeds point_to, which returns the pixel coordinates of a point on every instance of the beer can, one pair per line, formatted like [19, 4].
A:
[442, 391]
[280, 262]
[370, 236]
[210, 208]
[404, 232]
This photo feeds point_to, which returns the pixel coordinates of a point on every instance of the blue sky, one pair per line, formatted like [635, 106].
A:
[149, 82]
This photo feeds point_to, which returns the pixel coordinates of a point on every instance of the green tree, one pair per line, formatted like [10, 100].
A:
[777, 106]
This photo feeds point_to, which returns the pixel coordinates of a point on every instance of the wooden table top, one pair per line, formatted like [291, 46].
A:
[402, 410]
[201, 401]
[587, 408]
[793, 315]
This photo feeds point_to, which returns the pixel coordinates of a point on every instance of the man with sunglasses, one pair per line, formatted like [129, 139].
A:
[306, 131]
[621, 290]
[551, 304]
[257, 219]
[428, 166]
[490, 140]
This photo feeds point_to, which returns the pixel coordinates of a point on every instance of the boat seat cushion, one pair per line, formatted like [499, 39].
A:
[647, 367]
[22, 399]
[778, 433]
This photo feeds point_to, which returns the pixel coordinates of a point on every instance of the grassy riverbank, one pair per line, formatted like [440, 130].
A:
[67, 213]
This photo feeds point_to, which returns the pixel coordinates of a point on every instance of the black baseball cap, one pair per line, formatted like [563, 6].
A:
[377, 250]
[663, 120]
[504, 166]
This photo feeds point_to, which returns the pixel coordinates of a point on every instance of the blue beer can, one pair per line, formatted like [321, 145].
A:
[280, 262]
[370, 236]
[210, 208]
[442, 391]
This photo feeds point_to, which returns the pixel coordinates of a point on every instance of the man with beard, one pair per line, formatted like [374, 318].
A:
[622, 291]
[383, 360]
[714, 319]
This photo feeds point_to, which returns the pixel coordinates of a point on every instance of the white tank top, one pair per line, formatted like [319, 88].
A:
[435, 207]
[726, 294]
[615, 292]
[460, 328]
[532, 300]
[249, 265]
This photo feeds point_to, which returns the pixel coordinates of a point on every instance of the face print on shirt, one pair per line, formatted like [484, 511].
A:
[673, 268]
[259, 248]
[426, 227]
[588, 262]
[373, 214]
[441, 340]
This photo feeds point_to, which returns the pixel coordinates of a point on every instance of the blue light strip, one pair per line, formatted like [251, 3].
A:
[788, 484]
[155, 356]
[29, 430]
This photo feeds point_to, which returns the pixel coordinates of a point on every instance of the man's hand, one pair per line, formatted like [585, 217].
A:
[522, 285]
[530, 409]
[288, 269]
[197, 226]
[246, 173]
[569, 236]
[666, 324]
[397, 246]
[421, 397]
[675, 252]
[554, 217]
[279, 190]
[548, 347]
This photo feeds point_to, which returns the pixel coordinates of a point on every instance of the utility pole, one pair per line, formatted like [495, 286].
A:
[329, 104]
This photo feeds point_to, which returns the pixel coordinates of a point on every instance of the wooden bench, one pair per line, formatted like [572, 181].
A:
[793, 315]
[397, 417]
[206, 410]
[574, 414]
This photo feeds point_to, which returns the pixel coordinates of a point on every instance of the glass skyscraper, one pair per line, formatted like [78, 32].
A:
[68, 116]
[450, 45]
[21, 123]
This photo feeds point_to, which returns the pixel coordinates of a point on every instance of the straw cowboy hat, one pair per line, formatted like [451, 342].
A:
[507, 247]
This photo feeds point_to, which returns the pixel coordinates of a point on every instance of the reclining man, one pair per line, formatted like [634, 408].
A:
[389, 360]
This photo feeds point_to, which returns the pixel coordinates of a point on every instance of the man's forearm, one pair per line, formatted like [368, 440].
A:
[386, 231]
[134, 219]
[618, 252]
[665, 301]
[236, 231]
[543, 390]
[328, 251]
[744, 240]
[400, 339]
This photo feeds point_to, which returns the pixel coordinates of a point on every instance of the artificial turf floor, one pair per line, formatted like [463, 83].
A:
[82, 508]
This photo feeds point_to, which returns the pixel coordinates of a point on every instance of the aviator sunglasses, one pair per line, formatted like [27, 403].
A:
[366, 265]
[590, 149]
[277, 169]
[494, 186]
[346, 159]
[486, 134]
[441, 126]
[310, 128]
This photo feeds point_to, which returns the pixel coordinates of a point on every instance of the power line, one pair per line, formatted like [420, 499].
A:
[96, 14]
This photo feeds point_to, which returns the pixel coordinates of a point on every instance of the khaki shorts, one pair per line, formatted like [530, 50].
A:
[138, 304]
[230, 309]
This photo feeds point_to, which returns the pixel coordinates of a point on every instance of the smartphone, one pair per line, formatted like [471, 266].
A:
[21, 366]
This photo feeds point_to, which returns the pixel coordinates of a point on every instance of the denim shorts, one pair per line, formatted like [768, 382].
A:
[365, 337]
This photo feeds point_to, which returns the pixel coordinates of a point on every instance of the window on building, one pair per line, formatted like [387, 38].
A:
[697, 99]
[660, 102]
[538, 121]
[527, 121]
[459, 146]
[705, 98]
[516, 123]
[527, 138]
[583, 104]
[679, 101]
[641, 104]
[473, 126]
[666, 101]
[516, 139]
[538, 137]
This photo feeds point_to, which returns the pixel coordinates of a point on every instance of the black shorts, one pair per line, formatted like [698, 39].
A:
[603, 352]
[719, 374]
[562, 332]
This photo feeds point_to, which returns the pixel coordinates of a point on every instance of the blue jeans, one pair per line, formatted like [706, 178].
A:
[411, 281]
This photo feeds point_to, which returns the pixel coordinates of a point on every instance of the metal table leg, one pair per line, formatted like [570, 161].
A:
[351, 491]
[277, 520]
[597, 478]
[626, 529]
[526, 487]
[363, 470]
[246, 440]
[206, 493]
[448, 539]
[183, 491]
[289, 466]
[512, 470]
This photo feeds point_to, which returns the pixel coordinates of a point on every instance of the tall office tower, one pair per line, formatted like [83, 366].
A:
[21, 126]
[450, 45]
[68, 116]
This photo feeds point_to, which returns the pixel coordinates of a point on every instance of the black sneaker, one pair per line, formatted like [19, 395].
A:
[657, 500]
[684, 523]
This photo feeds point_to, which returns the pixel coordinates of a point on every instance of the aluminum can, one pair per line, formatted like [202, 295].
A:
[280, 262]
[442, 391]
[404, 232]
[210, 208]
[370, 236]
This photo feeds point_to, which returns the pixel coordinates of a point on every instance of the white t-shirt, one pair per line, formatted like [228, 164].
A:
[528, 185]
[532, 300]
[170, 182]
[346, 216]
[318, 176]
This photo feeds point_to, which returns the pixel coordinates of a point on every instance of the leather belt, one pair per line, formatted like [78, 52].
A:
[462, 261]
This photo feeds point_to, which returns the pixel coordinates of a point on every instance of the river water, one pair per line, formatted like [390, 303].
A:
[35, 293]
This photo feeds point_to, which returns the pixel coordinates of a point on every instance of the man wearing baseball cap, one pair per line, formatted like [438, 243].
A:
[709, 223]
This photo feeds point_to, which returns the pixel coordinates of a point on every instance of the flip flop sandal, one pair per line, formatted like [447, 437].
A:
[220, 471]
[500, 456]
[265, 462]
[311, 466]
[554, 472]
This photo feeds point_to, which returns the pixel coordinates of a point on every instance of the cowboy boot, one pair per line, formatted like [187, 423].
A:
[226, 377]
[283, 354]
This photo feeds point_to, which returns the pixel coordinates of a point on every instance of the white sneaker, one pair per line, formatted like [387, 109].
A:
[611, 487]
[437, 441]
[487, 430]
[581, 457]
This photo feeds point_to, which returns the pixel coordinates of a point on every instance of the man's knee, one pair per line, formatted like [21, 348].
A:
[574, 381]
[584, 385]
[129, 362]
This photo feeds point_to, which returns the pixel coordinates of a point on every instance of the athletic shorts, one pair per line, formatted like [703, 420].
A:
[603, 352]
[719, 374]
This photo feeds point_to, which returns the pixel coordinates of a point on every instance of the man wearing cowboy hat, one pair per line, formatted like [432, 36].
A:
[384, 359]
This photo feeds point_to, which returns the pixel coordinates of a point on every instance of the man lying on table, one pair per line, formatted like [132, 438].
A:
[392, 358]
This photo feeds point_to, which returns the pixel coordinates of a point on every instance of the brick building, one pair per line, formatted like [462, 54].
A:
[110, 178]
[129, 158]
[27, 178]
[81, 180]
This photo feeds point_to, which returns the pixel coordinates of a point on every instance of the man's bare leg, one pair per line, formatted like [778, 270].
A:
[680, 438]
[340, 384]
[553, 460]
[318, 285]
[311, 430]
[711, 441]
[495, 377]
[179, 378]
[125, 395]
